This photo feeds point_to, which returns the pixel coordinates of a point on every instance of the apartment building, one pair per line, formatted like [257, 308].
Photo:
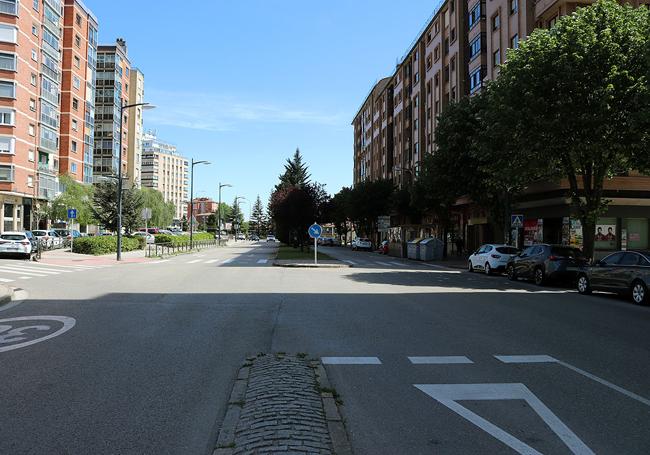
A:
[30, 77]
[136, 127]
[113, 77]
[163, 169]
[77, 128]
[202, 208]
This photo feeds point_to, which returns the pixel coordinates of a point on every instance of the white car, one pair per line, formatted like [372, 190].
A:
[491, 258]
[48, 239]
[361, 243]
[150, 237]
[15, 243]
[270, 238]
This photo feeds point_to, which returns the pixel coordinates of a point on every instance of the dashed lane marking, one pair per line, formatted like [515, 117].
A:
[262, 261]
[194, 261]
[525, 358]
[398, 264]
[212, 261]
[351, 361]
[440, 360]
[160, 262]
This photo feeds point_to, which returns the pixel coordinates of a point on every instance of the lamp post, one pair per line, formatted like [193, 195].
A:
[237, 198]
[194, 163]
[221, 185]
[123, 107]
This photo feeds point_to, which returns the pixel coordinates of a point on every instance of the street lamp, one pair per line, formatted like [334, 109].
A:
[194, 163]
[221, 185]
[123, 107]
[236, 199]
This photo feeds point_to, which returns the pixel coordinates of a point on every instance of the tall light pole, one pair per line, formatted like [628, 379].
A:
[237, 198]
[221, 185]
[123, 107]
[194, 163]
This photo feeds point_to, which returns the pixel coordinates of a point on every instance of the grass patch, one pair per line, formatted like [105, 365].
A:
[286, 252]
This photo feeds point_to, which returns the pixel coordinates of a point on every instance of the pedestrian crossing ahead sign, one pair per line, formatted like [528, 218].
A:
[517, 221]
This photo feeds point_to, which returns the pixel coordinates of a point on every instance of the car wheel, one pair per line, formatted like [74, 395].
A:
[583, 285]
[639, 293]
[510, 271]
[487, 269]
[470, 267]
[539, 276]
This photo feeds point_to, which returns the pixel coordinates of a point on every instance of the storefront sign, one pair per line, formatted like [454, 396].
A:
[533, 231]
[575, 233]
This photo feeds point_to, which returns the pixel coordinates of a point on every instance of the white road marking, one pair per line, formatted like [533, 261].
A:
[159, 262]
[351, 361]
[212, 261]
[6, 280]
[435, 266]
[21, 272]
[385, 264]
[25, 278]
[526, 358]
[349, 262]
[398, 264]
[262, 261]
[549, 359]
[11, 335]
[449, 395]
[228, 261]
[37, 270]
[194, 261]
[440, 360]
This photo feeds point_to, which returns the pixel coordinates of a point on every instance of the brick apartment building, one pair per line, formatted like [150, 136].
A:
[113, 77]
[455, 55]
[202, 208]
[163, 169]
[77, 129]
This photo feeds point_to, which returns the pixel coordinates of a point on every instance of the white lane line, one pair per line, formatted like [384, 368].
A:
[15, 272]
[593, 377]
[194, 261]
[440, 360]
[160, 262]
[385, 264]
[25, 278]
[398, 264]
[349, 262]
[351, 361]
[228, 261]
[262, 261]
[525, 358]
[436, 266]
[37, 270]
[212, 261]
[6, 280]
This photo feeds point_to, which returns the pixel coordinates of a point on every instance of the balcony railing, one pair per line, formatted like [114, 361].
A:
[48, 144]
[54, 75]
[51, 50]
[49, 23]
[51, 97]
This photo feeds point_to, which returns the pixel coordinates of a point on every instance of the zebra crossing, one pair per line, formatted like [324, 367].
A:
[12, 271]
[241, 260]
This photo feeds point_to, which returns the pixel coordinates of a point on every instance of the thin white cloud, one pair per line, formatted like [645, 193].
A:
[210, 112]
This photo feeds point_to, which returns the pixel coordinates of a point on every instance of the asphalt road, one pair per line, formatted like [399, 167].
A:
[148, 364]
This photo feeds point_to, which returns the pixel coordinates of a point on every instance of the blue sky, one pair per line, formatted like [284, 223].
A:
[243, 83]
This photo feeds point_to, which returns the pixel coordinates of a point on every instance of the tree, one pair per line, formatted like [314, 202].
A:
[578, 94]
[226, 211]
[236, 217]
[162, 213]
[295, 172]
[258, 218]
[104, 206]
[75, 195]
[366, 202]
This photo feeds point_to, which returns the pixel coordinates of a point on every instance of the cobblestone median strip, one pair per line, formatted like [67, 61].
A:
[282, 404]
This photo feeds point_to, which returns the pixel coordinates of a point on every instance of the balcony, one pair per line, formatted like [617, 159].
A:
[54, 75]
[51, 50]
[51, 97]
[8, 7]
[51, 24]
[46, 168]
[55, 4]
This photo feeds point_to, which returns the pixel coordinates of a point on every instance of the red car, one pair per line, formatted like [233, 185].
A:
[383, 247]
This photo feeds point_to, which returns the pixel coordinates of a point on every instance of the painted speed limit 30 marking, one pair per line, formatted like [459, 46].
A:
[16, 333]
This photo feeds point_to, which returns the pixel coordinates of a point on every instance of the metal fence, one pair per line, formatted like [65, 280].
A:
[168, 249]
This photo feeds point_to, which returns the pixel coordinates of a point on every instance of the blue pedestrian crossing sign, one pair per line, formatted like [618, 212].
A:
[72, 214]
[517, 221]
[315, 231]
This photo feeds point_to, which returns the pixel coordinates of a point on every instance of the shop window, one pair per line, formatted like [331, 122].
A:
[606, 235]
[636, 231]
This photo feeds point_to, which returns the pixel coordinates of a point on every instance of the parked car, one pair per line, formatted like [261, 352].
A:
[623, 272]
[67, 233]
[361, 243]
[270, 238]
[544, 262]
[150, 230]
[49, 239]
[491, 258]
[16, 243]
[32, 238]
[254, 238]
[383, 247]
[150, 238]
[241, 237]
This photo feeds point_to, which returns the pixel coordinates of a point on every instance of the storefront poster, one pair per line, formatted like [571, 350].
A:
[605, 237]
[533, 231]
[575, 234]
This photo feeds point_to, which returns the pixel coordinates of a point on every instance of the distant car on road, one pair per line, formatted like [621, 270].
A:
[16, 243]
[361, 243]
[544, 262]
[623, 272]
[254, 238]
[270, 238]
[491, 258]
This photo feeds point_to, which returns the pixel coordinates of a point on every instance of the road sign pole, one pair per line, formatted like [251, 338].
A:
[71, 236]
[315, 251]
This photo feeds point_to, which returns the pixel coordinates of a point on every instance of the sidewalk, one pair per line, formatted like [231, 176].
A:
[453, 262]
[65, 257]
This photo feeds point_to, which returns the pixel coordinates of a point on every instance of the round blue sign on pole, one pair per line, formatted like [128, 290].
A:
[315, 231]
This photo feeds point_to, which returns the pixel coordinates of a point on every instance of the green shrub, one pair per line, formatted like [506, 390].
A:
[179, 240]
[103, 245]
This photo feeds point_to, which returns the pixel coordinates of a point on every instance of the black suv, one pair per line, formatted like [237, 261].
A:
[543, 262]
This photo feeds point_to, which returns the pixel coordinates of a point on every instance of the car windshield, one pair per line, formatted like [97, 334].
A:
[39, 233]
[507, 250]
[12, 237]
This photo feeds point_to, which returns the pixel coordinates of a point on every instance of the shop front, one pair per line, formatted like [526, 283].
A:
[15, 213]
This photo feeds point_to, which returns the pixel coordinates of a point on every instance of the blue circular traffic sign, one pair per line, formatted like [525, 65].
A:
[315, 231]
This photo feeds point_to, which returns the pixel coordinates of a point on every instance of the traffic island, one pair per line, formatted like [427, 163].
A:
[282, 404]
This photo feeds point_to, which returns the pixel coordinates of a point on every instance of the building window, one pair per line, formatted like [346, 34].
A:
[8, 33]
[475, 80]
[32, 105]
[75, 104]
[496, 22]
[496, 58]
[76, 82]
[30, 181]
[416, 78]
[7, 144]
[436, 53]
[7, 117]
[32, 130]
[77, 41]
[475, 47]
[33, 81]
[9, 7]
[514, 6]
[73, 168]
[73, 146]
[514, 42]
[436, 27]
[7, 62]
[77, 62]
[474, 15]
[7, 89]
[453, 34]
[34, 30]
[34, 55]
[36, 5]
[78, 19]
[7, 175]
[75, 125]
[452, 5]
[436, 80]
[452, 63]
[446, 46]
[30, 155]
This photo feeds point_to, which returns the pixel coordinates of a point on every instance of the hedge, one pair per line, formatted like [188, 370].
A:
[178, 240]
[104, 245]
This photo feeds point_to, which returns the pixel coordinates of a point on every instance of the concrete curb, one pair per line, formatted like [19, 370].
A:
[226, 440]
[308, 265]
[6, 294]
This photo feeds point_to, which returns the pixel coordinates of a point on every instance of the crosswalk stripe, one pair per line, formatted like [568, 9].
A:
[262, 261]
[349, 262]
[6, 280]
[398, 264]
[21, 272]
[212, 261]
[385, 264]
[36, 270]
[194, 261]
[228, 261]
